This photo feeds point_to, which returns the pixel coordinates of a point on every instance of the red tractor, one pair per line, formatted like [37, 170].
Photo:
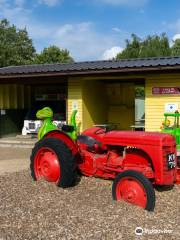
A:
[135, 160]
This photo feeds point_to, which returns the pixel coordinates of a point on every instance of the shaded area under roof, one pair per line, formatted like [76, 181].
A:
[139, 63]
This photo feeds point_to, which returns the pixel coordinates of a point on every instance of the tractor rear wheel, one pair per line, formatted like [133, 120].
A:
[133, 187]
[52, 160]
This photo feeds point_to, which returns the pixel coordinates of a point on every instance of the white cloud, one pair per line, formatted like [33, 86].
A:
[82, 39]
[50, 3]
[14, 12]
[38, 31]
[116, 29]
[64, 30]
[4, 4]
[124, 2]
[176, 36]
[111, 53]
[175, 28]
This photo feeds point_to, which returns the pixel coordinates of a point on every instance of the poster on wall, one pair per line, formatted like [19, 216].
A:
[165, 90]
[3, 112]
[75, 105]
[171, 107]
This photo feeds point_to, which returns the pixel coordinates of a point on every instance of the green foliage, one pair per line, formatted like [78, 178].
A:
[139, 91]
[176, 48]
[155, 46]
[132, 48]
[53, 54]
[152, 46]
[16, 48]
[15, 45]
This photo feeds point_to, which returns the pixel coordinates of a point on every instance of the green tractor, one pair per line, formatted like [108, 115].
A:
[173, 129]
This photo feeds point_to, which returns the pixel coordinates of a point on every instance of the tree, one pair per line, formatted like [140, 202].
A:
[16, 47]
[53, 54]
[152, 46]
[132, 48]
[155, 46]
[176, 48]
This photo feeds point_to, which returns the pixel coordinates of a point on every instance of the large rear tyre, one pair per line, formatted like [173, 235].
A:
[52, 160]
[133, 187]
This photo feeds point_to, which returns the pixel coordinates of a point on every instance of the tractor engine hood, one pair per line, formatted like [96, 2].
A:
[130, 138]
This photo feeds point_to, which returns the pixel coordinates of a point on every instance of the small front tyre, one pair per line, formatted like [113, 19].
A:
[52, 160]
[133, 187]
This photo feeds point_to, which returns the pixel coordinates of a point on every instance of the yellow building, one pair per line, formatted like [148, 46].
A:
[103, 92]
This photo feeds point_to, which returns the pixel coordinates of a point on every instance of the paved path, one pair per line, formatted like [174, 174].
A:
[14, 159]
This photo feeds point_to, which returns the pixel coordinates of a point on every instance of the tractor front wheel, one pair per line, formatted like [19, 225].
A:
[133, 187]
[52, 160]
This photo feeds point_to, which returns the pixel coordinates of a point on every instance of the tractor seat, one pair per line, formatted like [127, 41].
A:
[89, 141]
[67, 128]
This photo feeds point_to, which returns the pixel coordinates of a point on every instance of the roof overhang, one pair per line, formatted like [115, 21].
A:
[123, 71]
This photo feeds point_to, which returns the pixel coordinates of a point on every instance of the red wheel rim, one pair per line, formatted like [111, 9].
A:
[46, 165]
[131, 190]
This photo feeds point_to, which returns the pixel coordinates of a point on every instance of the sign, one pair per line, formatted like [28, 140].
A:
[166, 90]
[3, 112]
[75, 105]
[171, 107]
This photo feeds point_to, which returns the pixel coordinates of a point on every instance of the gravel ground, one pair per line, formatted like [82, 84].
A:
[14, 153]
[40, 210]
[14, 159]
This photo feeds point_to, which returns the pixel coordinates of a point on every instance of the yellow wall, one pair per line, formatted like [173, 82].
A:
[101, 103]
[94, 103]
[89, 98]
[121, 100]
[14, 96]
[74, 99]
[155, 104]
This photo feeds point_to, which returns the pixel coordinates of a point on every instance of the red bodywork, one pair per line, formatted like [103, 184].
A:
[105, 154]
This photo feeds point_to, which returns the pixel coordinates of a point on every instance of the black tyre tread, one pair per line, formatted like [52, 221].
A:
[66, 160]
[151, 199]
[33, 152]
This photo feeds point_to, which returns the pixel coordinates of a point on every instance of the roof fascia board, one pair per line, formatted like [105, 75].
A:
[93, 72]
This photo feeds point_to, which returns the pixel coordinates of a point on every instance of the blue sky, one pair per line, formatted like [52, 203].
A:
[92, 29]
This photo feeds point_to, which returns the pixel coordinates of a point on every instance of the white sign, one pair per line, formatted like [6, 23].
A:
[3, 112]
[75, 105]
[171, 107]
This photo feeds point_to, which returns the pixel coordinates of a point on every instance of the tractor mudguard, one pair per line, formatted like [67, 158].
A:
[65, 138]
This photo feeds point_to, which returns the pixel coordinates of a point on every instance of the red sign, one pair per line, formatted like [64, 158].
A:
[166, 90]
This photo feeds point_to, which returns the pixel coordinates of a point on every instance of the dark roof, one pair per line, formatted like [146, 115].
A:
[120, 65]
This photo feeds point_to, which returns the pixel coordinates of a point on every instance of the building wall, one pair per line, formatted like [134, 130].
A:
[95, 103]
[121, 104]
[88, 97]
[155, 104]
[14, 96]
[75, 99]
[100, 103]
